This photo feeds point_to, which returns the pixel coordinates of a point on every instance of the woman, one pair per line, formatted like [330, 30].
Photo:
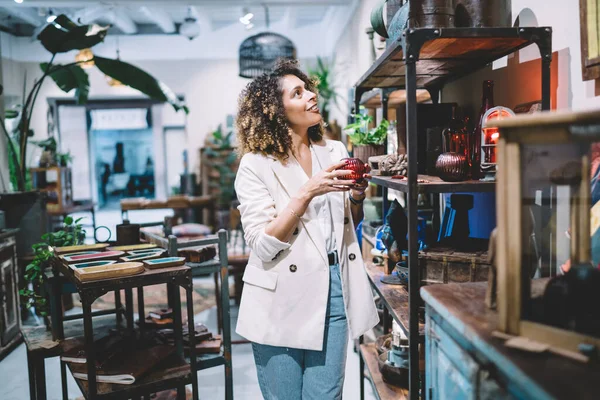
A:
[305, 284]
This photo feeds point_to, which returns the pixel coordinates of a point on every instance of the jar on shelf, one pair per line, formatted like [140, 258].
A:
[456, 136]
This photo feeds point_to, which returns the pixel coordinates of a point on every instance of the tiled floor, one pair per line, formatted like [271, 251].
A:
[13, 369]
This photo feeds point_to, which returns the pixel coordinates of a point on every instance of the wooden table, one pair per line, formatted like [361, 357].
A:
[175, 373]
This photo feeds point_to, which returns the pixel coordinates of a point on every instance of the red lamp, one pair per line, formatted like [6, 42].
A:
[489, 137]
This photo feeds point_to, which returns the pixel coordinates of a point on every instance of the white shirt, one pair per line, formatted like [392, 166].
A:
[323, 203]
[270, 246]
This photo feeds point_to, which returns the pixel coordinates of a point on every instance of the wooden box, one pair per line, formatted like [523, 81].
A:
[547, 152]
[56, 182]
[445, 265]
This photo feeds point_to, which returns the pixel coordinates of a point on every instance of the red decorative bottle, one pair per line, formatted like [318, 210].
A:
[487, 102]
[456, 136]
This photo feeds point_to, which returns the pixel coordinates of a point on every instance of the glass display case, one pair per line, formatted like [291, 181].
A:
[548, 156]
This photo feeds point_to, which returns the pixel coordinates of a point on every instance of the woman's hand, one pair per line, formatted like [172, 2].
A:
[358, 190]
[327, 181]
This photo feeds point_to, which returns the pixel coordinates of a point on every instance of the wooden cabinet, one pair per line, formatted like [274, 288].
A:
[10, 315]
[464, 360]
[450, 373]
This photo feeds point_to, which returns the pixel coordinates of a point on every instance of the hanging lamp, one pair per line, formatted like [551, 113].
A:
[258, 53]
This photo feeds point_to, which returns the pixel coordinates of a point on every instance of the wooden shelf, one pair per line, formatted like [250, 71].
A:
[397, 98]
[447, 54]
[395, 298]
[436, 185]
[39, 338]
[168, 374]
[383, 391]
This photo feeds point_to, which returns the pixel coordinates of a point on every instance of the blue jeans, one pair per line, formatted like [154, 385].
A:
[293, 374]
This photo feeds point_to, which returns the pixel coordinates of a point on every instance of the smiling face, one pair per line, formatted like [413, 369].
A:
[300, 104]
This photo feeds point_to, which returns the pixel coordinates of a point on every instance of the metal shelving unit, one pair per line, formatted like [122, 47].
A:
[429, 58]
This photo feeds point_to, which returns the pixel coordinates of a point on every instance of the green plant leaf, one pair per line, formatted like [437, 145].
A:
[136, 78]
[64, 35]
[69, 77]
[68, 220]
[11, 114]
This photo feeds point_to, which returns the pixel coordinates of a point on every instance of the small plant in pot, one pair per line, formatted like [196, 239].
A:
[34, 295]
[367, 142]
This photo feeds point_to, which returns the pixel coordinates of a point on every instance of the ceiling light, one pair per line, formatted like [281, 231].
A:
[190, 28]
[18, 1]
[51, 17]
[246, 18]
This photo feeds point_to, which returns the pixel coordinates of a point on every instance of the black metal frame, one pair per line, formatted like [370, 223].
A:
[412, 41]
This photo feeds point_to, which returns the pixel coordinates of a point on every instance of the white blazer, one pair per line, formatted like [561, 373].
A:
[286, 288]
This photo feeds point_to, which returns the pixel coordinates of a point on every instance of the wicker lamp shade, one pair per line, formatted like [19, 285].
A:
[258, 53]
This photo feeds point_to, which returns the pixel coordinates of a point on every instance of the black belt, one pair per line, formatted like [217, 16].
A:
[333, 258]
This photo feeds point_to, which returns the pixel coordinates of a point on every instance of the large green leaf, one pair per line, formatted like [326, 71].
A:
[69, 77]
[64, 35]
[136, 78]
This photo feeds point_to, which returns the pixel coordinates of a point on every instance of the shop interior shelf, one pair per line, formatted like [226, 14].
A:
[383, 391]
[395, 298]
[372, 99]
[168, 374]
[447, 54]
[435, 185]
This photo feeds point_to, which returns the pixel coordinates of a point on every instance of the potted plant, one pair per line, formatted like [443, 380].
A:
[34, 294]
[61, 36]
[367, 142]
[64, 159]
[221, 157]
[322, 75]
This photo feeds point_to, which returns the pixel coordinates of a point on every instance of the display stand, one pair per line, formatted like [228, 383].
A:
[174, 372]
[216, 266]
[429, 58]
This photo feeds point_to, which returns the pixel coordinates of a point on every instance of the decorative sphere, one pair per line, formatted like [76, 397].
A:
[357, 167]
[452, 167]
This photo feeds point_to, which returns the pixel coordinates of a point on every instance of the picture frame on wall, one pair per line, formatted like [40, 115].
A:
[590, 38]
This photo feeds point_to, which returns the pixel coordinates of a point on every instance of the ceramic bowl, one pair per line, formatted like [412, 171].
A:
[402, 271]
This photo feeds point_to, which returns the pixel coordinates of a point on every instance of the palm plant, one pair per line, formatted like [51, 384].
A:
[61, 36]
[323, 76]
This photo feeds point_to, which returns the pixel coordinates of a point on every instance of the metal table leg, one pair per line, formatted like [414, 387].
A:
[40, 378]
[219, 304]
[361, 363]
[192, 338]
[129, 308]
[89, 347]
[141, 312]
[31, 368]
[118, 306]
[63, 380]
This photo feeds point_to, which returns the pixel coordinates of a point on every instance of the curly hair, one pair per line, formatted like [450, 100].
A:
[261, 123]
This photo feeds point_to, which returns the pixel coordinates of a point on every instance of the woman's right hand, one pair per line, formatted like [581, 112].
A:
[327, 181]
